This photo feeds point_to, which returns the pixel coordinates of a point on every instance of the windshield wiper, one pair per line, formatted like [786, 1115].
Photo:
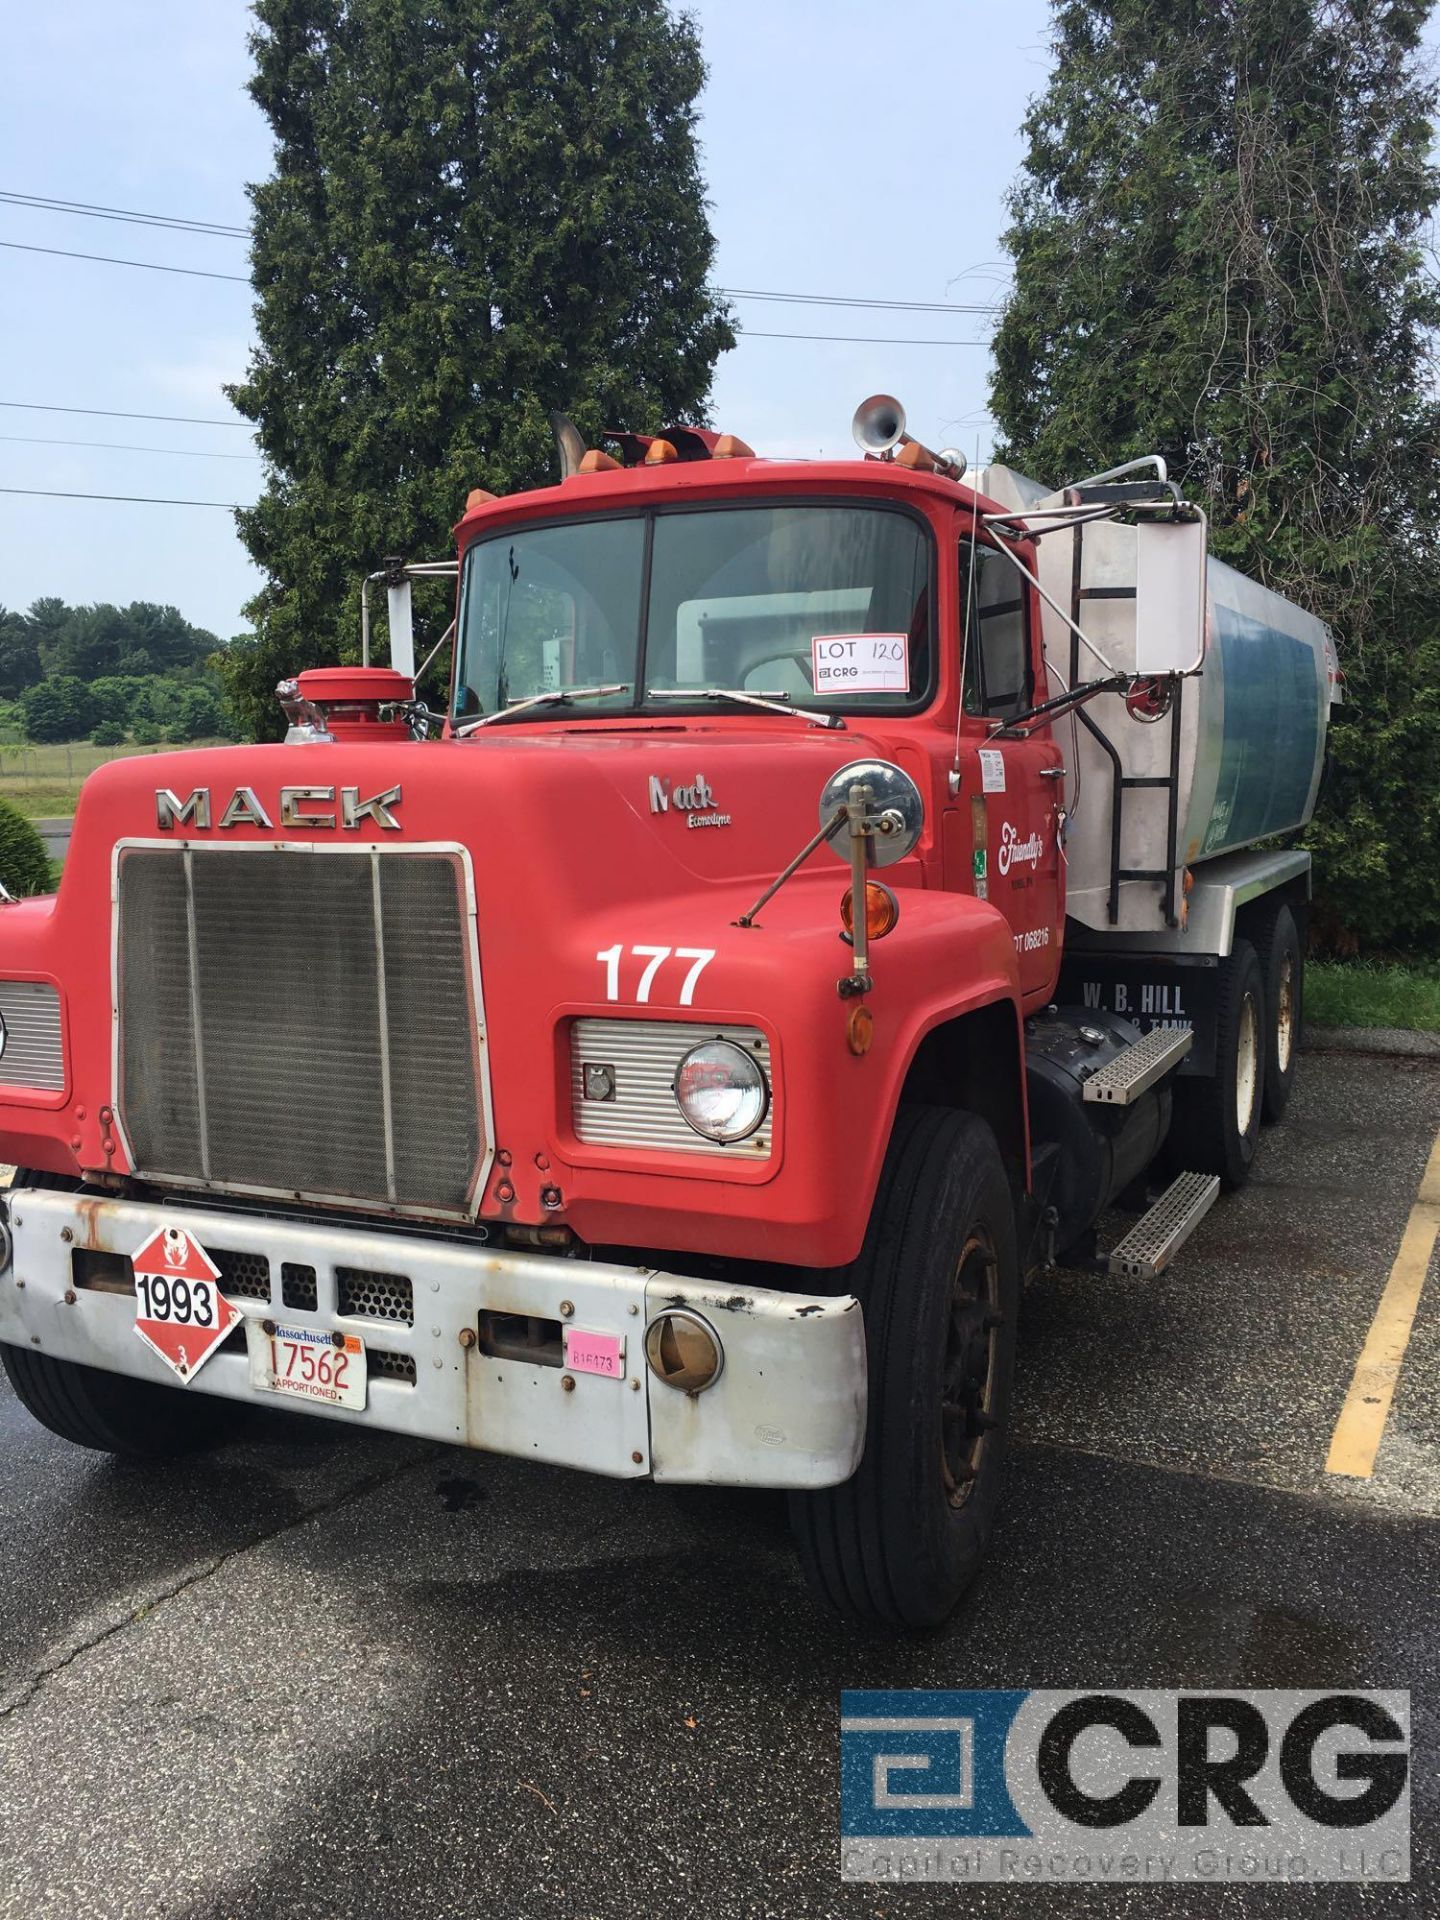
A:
[771, 702]
[556, 697]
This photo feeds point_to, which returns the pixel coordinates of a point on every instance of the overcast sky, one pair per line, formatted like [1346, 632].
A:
[848, 148]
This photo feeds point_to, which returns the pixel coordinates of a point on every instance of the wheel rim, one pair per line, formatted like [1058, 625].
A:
[968, 1382]
[1247, 1064]
[1285, 1015]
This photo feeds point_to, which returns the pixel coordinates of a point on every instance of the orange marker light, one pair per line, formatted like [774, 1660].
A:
[660, 453]
[477, 497]
[882, 910]
[731, 447]
[597, 462]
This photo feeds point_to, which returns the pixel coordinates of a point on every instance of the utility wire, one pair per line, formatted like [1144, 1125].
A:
[109, 260]
[107, 413]
[172, 221]
[122, 446]
[859, 339]
[175, 223]
[202, 273]
[846, 300]
[133, 499]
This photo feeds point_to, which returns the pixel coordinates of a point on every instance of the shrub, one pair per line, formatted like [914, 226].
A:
[147, 734]
[59, 708]
[24, 863]
[109, 733]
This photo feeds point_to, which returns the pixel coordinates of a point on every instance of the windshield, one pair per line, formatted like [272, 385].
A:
[825, 606]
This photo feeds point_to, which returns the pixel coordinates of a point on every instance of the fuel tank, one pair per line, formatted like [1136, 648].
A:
[1085, 1153]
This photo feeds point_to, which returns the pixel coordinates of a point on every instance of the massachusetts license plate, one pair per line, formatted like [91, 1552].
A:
[306, 1363]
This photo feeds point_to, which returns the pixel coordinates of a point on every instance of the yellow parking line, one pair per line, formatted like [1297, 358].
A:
[1361, 1426]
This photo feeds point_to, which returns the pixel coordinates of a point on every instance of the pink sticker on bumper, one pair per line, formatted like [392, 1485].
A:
[602, 1353]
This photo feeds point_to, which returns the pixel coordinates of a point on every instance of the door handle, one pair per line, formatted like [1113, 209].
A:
[1053, 773]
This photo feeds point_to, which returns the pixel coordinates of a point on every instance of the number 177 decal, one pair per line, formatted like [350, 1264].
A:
[654, 959]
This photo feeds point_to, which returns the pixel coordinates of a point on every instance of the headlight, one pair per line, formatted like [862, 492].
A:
[721, 1091]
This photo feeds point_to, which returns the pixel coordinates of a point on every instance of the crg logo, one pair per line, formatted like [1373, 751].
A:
[299, 807]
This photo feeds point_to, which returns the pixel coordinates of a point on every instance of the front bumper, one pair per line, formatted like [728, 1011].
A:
[788, 1409]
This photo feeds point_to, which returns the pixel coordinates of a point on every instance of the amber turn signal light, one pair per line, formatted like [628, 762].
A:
[660, 453]
[882, 910]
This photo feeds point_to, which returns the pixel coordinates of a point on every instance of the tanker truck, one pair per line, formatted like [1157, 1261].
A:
[827, 894]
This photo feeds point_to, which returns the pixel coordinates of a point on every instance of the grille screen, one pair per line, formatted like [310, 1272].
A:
[299, 1023]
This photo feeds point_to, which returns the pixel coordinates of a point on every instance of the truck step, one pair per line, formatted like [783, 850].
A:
[1135, 1070]
[1158, 1235]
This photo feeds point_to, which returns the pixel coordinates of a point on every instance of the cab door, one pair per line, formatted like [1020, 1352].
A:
[1015, 786]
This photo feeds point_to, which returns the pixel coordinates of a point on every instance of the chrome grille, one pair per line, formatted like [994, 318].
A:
[299, 1287]
[374, 1296]
[30, 1055]
[300, 1022]
[643, 1056]
[247, 1275]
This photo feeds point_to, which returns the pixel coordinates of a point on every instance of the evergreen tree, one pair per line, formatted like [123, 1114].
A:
[1218, 243]
[480, 210]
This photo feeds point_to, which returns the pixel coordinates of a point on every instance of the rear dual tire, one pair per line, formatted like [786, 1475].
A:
[1215, 1119]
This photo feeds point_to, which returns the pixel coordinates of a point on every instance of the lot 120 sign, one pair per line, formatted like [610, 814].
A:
[180, 1312]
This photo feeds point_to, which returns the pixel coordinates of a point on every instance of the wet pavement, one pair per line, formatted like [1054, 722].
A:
[325, 1676]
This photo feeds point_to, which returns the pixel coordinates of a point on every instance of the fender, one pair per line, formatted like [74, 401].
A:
[950, 955]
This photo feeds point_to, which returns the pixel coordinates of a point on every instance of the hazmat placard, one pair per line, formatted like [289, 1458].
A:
[180, 1312]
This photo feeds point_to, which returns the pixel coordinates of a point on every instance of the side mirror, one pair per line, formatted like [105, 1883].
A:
[1170, 560]
[401, 613]
[896, 805]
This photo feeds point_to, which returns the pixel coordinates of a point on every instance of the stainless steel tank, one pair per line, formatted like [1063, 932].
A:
[1238, 758]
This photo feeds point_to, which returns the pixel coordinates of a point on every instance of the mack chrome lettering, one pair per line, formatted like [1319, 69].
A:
[305, 807]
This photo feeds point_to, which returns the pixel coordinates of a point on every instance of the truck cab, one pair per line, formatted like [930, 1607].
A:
[548, 1086]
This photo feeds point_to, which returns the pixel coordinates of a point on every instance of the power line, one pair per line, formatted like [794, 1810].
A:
[175, 223]
[170, 221]
[131, 499]
[859, 339]
[107, 413]
[845, 300]
[120, 446]
[109, 260]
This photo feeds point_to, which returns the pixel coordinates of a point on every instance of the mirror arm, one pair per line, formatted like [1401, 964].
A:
[1073, 697]
[827, 832]
[861, 826]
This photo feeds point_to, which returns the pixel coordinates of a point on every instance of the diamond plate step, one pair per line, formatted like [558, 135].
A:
[1135, 1070]
[1158, 1235]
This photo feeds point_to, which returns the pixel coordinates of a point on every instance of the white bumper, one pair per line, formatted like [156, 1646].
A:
[788, 1409]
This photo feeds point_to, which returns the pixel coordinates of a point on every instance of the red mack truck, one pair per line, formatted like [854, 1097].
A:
[837, 889]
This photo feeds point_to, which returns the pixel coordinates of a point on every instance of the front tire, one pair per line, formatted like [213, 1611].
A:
[938, 1281]
[109, 1411]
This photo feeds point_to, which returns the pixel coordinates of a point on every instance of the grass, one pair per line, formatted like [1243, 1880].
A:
[44, 782]
[1373, 993]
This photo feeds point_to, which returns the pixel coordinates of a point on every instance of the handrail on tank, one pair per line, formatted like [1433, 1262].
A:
[1155, 460]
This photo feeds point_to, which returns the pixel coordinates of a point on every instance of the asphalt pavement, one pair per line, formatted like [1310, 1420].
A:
[56, 835]
[334, 1677]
